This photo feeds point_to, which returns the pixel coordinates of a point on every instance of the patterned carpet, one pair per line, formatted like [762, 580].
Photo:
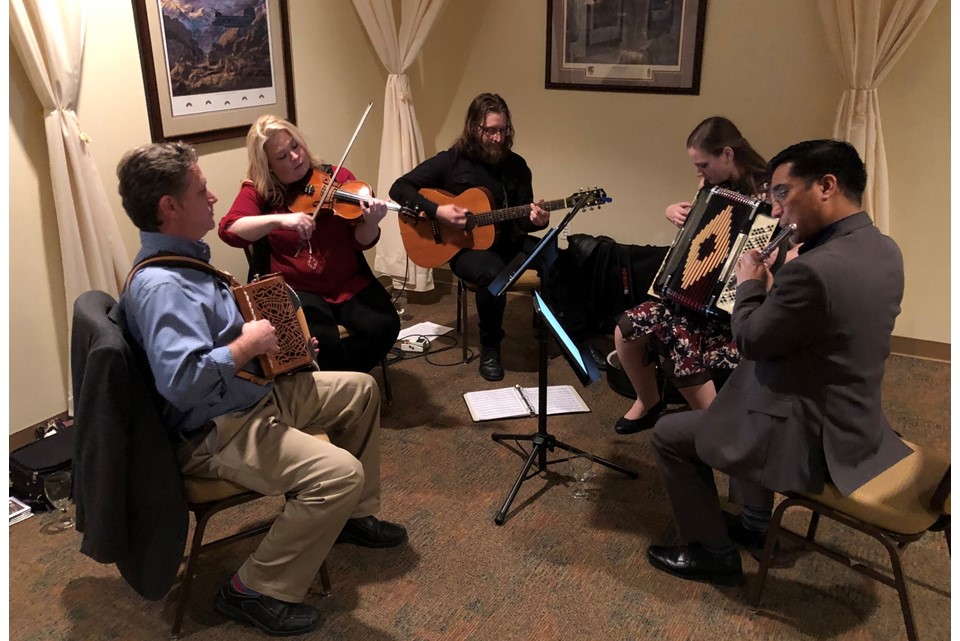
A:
[557, 569]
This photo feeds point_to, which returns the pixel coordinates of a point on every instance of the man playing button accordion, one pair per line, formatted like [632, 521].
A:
[256, 434]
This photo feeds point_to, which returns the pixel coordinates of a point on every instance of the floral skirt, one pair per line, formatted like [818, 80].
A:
[689, 344]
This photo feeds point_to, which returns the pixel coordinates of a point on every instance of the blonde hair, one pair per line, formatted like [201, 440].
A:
[258, 169]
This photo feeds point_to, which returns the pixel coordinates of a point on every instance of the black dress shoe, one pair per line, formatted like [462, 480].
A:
[275, 617]
[371, 532]
[645, 422]
[490, 366]
[693, 563]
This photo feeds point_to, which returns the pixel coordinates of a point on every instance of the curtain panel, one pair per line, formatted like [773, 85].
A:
[866, 38]
[401, 145]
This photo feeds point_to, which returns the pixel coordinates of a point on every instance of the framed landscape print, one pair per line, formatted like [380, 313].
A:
[652, 46]
[212, 67]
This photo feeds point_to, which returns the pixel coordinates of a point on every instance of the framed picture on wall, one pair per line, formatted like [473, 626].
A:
[212, 67]
[650, 46]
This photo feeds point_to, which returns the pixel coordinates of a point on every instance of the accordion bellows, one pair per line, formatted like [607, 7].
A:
[697, 273]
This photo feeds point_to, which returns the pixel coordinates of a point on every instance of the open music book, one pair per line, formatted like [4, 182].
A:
[516, 401]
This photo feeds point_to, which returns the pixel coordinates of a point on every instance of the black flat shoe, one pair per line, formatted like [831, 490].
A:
[275, 617]
[693, 563]
[645, 422]
[490, 367]
[371, 532]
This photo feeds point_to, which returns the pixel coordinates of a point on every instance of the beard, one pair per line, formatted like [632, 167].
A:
[492, 153]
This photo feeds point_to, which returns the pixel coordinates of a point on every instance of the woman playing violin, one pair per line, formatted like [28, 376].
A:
[319, 256]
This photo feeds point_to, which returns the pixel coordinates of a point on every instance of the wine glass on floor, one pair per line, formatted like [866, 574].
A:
[581, 468]
[57, 488]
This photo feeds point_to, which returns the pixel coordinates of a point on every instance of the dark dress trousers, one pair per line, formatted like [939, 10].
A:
[803, 407]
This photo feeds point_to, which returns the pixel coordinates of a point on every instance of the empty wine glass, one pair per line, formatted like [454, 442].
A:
[57, 488]
[581, 468]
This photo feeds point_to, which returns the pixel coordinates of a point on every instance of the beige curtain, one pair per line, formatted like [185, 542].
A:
[48, 37]
[866, 38]
[401, 147]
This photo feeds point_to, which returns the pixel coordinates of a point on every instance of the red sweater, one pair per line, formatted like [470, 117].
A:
[338, 276]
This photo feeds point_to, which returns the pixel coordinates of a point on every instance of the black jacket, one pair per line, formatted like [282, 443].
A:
[127, 482]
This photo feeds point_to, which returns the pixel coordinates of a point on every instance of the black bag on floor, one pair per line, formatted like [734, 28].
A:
[619, 275]
[30, 464]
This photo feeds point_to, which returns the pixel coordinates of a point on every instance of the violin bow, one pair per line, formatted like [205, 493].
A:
[333, 175]
[336, 170]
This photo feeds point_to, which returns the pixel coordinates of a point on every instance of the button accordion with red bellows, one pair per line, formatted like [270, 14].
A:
[697, 272]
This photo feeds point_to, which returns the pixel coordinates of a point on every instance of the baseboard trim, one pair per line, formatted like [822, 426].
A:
[919, 348]
[28, 434]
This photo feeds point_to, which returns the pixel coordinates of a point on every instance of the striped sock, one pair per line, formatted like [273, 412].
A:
[755, 519]
[238, 586]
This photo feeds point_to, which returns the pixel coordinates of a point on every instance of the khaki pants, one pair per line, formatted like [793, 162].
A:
[270, 449]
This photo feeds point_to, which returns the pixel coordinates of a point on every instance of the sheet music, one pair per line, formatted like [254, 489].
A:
[515, 402]
[426, 328]
[561, 399]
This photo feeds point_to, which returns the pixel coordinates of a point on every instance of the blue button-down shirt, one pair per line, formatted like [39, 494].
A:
[185, 320]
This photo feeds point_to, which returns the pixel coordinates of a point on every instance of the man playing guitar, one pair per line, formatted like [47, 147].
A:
[481, 157]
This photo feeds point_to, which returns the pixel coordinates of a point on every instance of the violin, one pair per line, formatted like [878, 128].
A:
[342, 199]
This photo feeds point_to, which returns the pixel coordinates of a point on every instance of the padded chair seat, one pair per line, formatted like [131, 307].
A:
[898, 500]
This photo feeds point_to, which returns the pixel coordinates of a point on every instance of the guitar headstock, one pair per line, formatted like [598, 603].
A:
[595, 198]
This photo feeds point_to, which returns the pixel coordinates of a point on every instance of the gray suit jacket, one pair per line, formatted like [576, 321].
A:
[803, 407]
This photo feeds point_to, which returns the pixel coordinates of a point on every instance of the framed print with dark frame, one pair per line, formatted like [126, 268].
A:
[647, 46]
[212, 67]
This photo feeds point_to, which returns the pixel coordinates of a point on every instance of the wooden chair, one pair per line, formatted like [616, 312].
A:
[207, 497]
[528, 282]
[896, 508]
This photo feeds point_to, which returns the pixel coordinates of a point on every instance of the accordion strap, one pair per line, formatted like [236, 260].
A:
[174, 260]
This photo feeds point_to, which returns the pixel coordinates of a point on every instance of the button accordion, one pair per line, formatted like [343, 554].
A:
[267, 297]
[698, 270]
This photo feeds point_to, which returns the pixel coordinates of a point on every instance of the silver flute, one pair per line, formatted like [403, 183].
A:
[766, 251]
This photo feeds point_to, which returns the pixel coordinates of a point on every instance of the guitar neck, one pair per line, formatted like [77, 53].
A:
[511, 213]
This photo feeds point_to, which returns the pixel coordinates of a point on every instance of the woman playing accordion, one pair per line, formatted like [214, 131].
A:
[690, 346]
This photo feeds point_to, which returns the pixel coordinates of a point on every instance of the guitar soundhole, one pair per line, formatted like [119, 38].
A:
[471, 222]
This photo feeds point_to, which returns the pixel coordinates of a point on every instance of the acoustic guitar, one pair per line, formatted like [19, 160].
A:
[431, 243]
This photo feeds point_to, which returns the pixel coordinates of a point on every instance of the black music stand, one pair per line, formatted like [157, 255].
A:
[579, 360]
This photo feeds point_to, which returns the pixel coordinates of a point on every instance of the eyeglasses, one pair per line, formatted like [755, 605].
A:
[780, 192]
[494, 131]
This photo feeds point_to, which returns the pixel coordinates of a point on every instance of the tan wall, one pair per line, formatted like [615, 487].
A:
[915, 108]
[337, 74]
[765, 66]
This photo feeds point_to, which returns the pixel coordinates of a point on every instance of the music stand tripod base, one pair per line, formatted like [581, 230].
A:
[543, 441]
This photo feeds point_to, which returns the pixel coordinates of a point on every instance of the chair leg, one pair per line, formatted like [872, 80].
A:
[772, 534]
[188, 572]
[812, 528]
[901, 585]
[463, 301]
[387, 393]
